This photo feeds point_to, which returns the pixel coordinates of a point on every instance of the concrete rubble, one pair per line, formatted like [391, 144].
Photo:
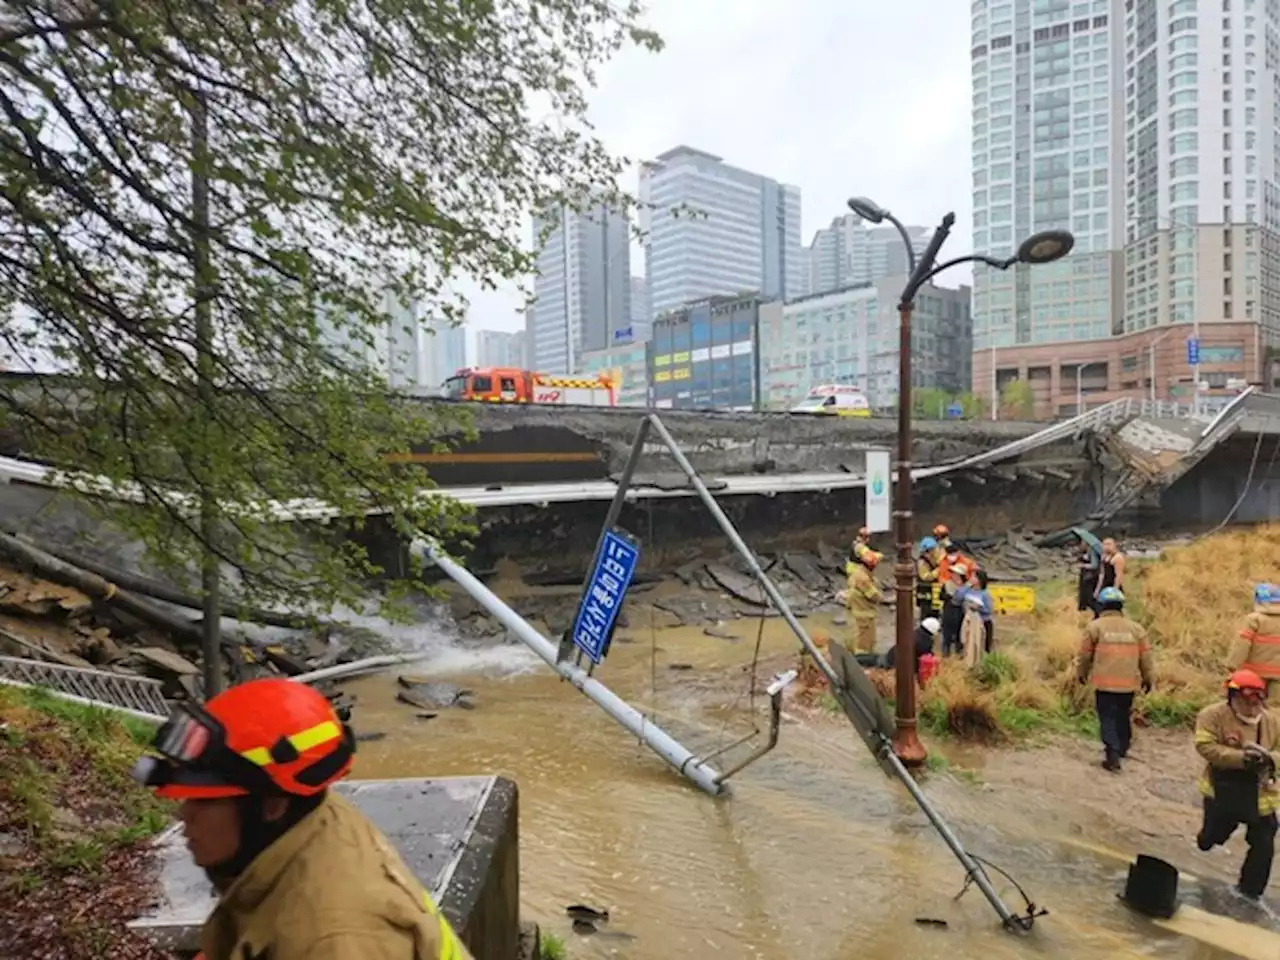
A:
[713, 595]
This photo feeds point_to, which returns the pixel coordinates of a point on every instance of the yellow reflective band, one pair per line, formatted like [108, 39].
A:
[320, 733]
[1204, 736]
[450, 948]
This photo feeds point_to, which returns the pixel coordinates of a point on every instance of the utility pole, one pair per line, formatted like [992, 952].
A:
[201, 259]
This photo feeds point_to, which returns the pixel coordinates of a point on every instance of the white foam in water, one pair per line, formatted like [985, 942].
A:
[434, 635]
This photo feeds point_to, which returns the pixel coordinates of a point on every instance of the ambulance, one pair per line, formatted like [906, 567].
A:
[838, 399]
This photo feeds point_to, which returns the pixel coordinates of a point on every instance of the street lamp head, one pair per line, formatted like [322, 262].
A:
[868, 209]
[1045, 247]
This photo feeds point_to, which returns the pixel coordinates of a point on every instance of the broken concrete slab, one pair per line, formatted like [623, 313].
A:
[738, 585]
[458, 835]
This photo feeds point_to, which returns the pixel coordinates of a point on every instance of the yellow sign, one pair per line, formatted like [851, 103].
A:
[1010, 599]
[1013, 600]
[662, 360]
[682, 373]
[680, 357]
[662, 376]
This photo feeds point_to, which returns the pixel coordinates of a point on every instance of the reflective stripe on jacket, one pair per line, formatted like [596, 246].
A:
[1257, 646]
[926, 578]
[1114, 654]
[863, 594]
[332, 888]
[1221, 739]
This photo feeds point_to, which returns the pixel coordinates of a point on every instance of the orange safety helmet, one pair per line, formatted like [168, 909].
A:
[942, 530]
[864, 533]
[264, 735]
[870, 557]
[1246, 682]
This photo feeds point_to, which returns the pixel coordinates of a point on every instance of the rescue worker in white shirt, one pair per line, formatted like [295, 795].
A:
[301, 874]
[1239, 739]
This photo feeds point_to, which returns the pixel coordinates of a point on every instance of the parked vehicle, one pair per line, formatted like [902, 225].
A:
[512, 385]
[839, 399]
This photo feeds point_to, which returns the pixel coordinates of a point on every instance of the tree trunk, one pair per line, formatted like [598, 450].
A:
[99, 588]
[148, 587]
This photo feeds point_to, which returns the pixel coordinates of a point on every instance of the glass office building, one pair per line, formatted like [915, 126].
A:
[705, 355]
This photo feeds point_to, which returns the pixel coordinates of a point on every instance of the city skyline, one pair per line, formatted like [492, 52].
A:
[879, 147]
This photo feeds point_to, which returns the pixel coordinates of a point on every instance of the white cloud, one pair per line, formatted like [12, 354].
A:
[838, 97]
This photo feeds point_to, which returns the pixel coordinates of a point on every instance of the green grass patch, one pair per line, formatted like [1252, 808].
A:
[65, 784]
[551, 947]
[1166, 711]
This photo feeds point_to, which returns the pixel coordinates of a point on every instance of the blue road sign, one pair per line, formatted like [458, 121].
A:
[598, 612]
[1193, 351]
[625, 333]
[955, 411]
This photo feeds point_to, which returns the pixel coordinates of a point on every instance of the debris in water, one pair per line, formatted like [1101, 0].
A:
[370, 737]
[931, 922]
[680, 666]
[426, 716]
[578, 911]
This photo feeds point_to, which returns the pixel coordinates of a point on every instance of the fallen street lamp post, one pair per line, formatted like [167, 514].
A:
[1043, 247]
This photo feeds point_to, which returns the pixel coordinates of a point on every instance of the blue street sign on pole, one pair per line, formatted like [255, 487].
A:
[955, 411]
[1193, 351]
[598, 612]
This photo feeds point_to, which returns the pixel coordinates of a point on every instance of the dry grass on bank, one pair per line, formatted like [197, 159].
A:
[1191, 600]
[73, 868]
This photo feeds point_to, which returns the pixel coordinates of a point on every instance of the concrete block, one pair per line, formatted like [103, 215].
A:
[458, 835]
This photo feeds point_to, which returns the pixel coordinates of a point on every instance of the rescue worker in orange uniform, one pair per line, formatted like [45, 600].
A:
[1239, 740]
[1116, 657]
[863, 597]
[301, 874]
[861, 539]
[1257, 647]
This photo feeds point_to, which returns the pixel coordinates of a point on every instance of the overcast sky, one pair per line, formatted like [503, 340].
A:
[838, 97]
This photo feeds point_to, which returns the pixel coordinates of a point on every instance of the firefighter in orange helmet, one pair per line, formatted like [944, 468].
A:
[300, 872]
[1239, 740]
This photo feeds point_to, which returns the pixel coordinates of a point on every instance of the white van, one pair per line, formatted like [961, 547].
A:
[838, 399]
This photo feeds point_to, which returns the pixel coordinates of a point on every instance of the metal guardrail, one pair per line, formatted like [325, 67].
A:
[138, 696]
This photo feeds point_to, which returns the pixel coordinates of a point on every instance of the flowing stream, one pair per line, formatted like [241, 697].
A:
[814, 854]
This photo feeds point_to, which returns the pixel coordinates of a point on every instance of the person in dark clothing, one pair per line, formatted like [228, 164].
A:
[953, 608]
[925, 635]
[1086, 593]
[1110, 571]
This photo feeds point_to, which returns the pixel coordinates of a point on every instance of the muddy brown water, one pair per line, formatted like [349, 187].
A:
[813, 854]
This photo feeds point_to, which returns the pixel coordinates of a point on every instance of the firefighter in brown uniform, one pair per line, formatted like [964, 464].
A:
[863, 597]
[1239, 740]
[927, 578]
[1257, 647]
[300, 873]
[1116, 657]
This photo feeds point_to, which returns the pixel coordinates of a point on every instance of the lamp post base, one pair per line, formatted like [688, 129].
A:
[907, 746]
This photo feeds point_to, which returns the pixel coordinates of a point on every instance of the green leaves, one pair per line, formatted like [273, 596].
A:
[363, 154]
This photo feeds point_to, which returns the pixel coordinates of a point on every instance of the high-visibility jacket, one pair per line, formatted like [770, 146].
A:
[1221, 739]
[946, 563]
[1257, 646]
[1114, 654]
[926, 577]
[863, 594]
[331, 888]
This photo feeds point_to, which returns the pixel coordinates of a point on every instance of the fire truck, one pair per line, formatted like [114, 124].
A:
[511, 385]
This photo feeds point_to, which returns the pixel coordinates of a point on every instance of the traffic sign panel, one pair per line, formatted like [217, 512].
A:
[598, 612]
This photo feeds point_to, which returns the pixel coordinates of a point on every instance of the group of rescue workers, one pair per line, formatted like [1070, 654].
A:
[1238, 737]
[301, 873]
[952, 599]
